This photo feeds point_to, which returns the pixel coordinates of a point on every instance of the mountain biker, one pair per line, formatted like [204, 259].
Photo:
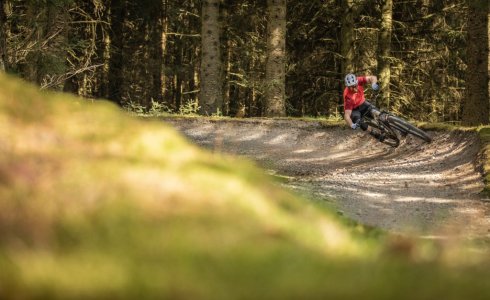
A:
[356, 106]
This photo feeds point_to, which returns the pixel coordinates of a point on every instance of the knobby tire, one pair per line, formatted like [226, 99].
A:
[405, 126]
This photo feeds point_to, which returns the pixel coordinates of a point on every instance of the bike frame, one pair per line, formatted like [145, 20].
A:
[379, 120]
[393, 127]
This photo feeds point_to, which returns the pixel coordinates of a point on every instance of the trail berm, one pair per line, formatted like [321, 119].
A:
[428, 189]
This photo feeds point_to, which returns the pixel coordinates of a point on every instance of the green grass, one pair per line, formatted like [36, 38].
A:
[95, 204]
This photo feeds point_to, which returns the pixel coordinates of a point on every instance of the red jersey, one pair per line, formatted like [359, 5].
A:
[353, 99]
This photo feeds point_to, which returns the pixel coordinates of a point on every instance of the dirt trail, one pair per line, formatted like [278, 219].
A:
[428, 189]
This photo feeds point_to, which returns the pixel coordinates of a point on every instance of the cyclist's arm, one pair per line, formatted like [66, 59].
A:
[371, 79]
[347, 118]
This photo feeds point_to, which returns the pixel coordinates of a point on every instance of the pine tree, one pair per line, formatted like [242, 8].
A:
[476, 106]
[276, 59]
[384, 51]
[3, 35]
[211, 98]
[116, 64]
[347, 33]
[155, 24]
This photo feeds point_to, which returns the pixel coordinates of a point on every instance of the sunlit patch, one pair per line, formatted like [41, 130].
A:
[374, 195]
[279, 139]
[251, 137]
[339, 155]
[420, 199]
[203, 129]
[310, 160]
[469, 211]
[303, 151]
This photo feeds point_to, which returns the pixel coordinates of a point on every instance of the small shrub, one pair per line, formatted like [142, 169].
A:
[134, 108]
[190, 108]
[159, 109]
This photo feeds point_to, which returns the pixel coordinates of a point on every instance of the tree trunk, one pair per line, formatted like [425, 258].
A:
[211, 98]
[103, 51]
[163, 46]
[347, 37]
[3, 35]
[118, 11]
[167, 80]
[179, 60]
[30, 70]
[276, 59]
[157, 53]
[476, 105]
[76, 83]
[384, 52]
[227, 93]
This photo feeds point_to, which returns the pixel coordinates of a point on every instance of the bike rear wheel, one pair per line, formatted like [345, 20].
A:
[405, 126]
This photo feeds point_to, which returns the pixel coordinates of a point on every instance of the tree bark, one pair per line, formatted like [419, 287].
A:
[163, 46]
[179, 60]
[276, 59]
[103, 50]
[156, 52]
[3, 35]
[476, 104]
[116, 64]
[211, 98]
[384, 52]
[347, 37]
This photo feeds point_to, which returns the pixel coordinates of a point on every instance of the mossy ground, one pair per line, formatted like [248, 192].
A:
[95, 204]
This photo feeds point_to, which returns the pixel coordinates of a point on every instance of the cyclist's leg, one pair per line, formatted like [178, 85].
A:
[365, 110]
[356, 116]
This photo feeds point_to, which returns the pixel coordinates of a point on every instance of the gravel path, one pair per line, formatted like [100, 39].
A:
[426, 189]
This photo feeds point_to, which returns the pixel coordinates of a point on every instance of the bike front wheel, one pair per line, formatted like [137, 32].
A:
[405, 126]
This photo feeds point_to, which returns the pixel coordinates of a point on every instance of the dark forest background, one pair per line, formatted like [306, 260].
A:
[148, 53]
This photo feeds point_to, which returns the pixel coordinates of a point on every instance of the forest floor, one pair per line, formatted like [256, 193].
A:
[430, 190]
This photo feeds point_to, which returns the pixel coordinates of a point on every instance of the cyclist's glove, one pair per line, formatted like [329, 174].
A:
[354, 126]
[375, 86]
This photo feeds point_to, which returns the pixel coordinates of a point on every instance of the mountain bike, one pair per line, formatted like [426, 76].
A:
[394, 128]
